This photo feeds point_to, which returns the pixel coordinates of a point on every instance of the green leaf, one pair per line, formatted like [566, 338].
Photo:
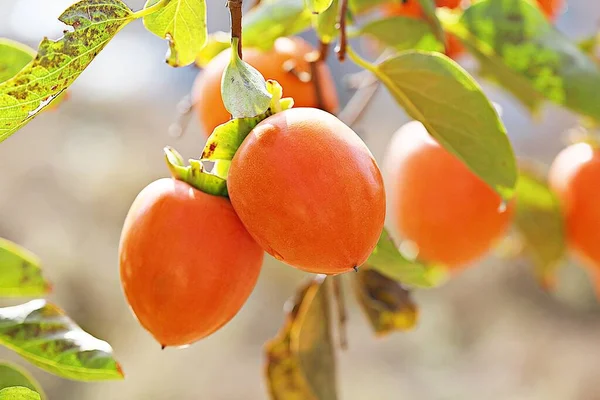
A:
[20, 273]
[521, 49]
[539, 221]
[387, 260]
[386, 303]
[195, 174]
[183, 24]
[357, 7]
[243, 88]
[436, 91]
[59, 63]
[317, 6]
[41, 333]
[18, 393]
[428, 7]
[217, 42]
[403, 33]
[301, 359]
[13, 375]
[325, 23]
[273, 19]
[14, 57]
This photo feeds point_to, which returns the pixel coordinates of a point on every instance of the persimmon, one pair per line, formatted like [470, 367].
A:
[451, 215]
[412, 8]
[574, 176]
[551, 8]
[187, 263]
[309, 191]
[273, 64]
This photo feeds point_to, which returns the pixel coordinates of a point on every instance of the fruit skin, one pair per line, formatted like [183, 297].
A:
[309, 191]
[187, 263]
[207, 87]
[574, 176]
[439, 204]
[551, 8]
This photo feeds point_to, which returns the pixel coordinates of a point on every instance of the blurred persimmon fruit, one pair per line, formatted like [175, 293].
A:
[187, 263]
[273, 64]
[309, 191]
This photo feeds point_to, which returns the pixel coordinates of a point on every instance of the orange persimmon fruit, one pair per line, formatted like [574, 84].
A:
[309, 191]
[451, 215]
[574, 176]
[550, 8]
[187, 263]
[273, 64]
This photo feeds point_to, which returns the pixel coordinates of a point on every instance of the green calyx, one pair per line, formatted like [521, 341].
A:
[221, 147]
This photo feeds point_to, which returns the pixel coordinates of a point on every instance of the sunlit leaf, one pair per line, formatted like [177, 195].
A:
[539, 221]
[59, 63]
[20, 273]
[273, 19]
[436, 91]
[325, 23]
[183, 24]
[361, 6]
[41, 333]
[301, 359]
[428, 7]
[523, 51]
[317, 6]
[217, 42]
[386, 303]
[13, 375]
[387, 260]
[18, 393]
[403, 33]
[14, 56]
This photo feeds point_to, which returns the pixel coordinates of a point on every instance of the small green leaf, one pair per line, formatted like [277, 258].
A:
[386, 303]
[243, 88]
[539, 221]
[520, 49]
[403, 33]
[14, 57]
[59, 63]
[18, 393]
[183, 24]
[318, 6]
[436, 91]
[217, 42]
[428, 7]
[41, 333]
[20, 273]
[387, 260]
[325, 23]
[13, 375]
[273, 19]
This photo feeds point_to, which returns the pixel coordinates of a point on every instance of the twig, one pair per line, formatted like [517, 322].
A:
[314, 60]
[235, 9]
[323, 51]
[341, 50]
[338, 293]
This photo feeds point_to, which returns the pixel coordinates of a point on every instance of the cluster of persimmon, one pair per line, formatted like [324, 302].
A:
[302, 187]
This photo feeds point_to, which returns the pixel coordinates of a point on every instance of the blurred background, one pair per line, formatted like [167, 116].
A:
[70, 176]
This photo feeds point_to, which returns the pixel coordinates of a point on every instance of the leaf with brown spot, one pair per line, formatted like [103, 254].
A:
[41, 333]
[301, 359]
[58, 63]
[20, 273]
[386, 303]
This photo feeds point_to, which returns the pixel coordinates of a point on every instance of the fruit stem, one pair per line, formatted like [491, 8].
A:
[150, 10]
[235, 10]
[341, 49]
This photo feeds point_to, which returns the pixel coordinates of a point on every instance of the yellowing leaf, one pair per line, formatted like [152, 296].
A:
[436, 91]
[301, 359]
[325, 23]
[20, 273]
[386, 303]
[183, 24]
[539, 221]
[14, 57]
[13, 375]
[318, 6]
[41, 333]
[18, 393]
[59, 63]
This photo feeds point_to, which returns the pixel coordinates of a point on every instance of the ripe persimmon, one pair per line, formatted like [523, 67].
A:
[187, 263]
[273, 64]
[551, 8]
[574, 177]
[451, 215]
[309, 191]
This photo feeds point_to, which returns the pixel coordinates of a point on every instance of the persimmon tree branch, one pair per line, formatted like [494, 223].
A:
[341, 49]
[338, 294]
[235, 9]
[315, 59]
